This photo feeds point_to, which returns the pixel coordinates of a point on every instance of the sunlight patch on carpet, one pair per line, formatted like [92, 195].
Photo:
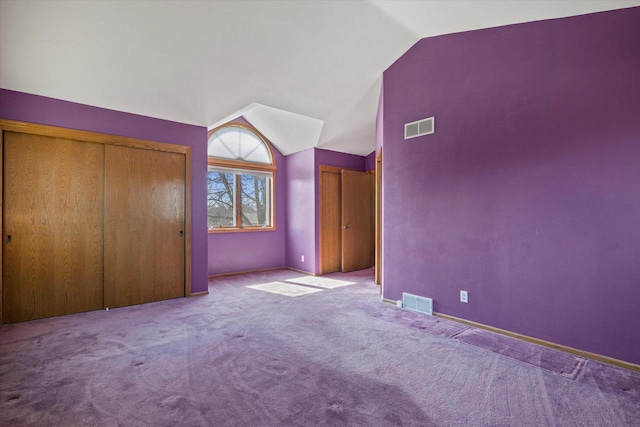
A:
[286, 289]
[320, 282]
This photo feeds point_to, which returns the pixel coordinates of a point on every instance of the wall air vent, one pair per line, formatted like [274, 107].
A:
[419, 128]
[416, 303]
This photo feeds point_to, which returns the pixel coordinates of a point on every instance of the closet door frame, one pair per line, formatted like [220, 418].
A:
[100, 138]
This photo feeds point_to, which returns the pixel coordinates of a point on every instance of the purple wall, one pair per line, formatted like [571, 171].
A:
[380, 119]
[370, 161]
[528, 194]
[340, 160]
[48, 111]
[329, 158]
[246, 251]
[300, 208]
[379, 141]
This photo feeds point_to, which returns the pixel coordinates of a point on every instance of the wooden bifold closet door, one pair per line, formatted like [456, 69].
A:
[144, 226]
[53, 226]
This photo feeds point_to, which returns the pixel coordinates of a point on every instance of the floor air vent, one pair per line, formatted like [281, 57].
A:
[416, 303]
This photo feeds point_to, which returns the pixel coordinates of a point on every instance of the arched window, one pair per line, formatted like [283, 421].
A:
[240, 179]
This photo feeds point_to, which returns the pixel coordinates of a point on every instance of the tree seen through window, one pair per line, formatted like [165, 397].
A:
[255, 197]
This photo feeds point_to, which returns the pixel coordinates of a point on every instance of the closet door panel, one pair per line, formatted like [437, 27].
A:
[53, 226]
[356, 220]
[144, 226]
[330, 221]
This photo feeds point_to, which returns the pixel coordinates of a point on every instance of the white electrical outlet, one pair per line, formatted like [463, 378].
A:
[464, 296]
[301, 258]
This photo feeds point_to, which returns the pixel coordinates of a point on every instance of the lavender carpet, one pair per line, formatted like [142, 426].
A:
[293, 350]
[559, 362]
[565, 364]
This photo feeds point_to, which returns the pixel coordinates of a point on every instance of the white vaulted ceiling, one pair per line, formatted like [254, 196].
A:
[305, 73]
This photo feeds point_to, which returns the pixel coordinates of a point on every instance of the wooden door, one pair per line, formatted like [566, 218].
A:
[53, 217]
[356, 220]
[330, 220]
[378, 220]
[372, 203]
[144, 225]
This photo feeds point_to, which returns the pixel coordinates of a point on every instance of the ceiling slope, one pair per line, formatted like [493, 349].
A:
[283, 63]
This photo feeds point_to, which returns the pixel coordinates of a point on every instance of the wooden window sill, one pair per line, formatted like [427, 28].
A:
[239, 230]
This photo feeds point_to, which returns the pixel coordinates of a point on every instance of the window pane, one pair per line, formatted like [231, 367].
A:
[256, 200]
[237, 143]
[220, 199]
[225, 143]
[258, 154]
[248, 144]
